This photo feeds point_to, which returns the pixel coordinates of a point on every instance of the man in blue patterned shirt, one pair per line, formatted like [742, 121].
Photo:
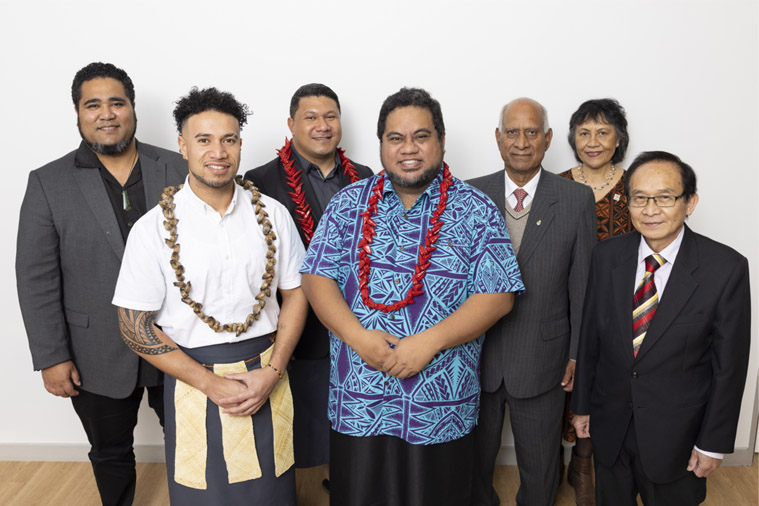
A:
[407, 270]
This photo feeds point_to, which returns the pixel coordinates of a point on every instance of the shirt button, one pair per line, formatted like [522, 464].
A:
[226, 257]
[229, 292]
[635, 375]
[629, 405]
[221, 225]
[450, 243]
[129, 224]
[391, 317]
[397, 281]
[387, 382]
[402, 248]
[405, 216]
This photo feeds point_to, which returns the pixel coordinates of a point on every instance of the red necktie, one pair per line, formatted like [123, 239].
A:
[520, 194]
[645, 301]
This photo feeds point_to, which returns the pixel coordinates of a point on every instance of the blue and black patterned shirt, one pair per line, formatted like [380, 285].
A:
[473, 255]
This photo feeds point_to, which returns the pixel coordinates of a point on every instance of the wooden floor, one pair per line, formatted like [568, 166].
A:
[71, 483]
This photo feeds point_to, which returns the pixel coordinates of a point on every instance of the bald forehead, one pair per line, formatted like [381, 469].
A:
[524, 104]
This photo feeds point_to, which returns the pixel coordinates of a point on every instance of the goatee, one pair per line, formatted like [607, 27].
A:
[420, 181]
[108, 149]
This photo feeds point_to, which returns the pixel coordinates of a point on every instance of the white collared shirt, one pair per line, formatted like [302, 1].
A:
[224, 259]
[661, 276]
[530, 188]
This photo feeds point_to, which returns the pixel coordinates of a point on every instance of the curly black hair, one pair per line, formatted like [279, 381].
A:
[602, 110]
[96, 70]
[209, 99]
[411, 97]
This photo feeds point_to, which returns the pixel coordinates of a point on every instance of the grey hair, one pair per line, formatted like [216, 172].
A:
[543, 111]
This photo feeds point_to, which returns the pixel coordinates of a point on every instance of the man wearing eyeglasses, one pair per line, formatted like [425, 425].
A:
[664, 346]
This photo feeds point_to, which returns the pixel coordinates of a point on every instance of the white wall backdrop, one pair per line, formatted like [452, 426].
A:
[685, 70]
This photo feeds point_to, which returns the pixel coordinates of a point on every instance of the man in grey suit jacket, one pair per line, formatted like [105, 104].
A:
[528, 356]
[74, 221]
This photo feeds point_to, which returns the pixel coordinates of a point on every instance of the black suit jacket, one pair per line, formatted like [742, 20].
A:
[272, 181]
[685, 386]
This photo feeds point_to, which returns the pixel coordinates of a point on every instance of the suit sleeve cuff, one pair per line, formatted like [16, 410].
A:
[709, 454]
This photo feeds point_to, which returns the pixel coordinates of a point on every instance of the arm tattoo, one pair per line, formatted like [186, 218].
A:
[138, 333]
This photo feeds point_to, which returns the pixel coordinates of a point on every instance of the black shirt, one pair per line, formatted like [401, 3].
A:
[324, 187]
[135, 193]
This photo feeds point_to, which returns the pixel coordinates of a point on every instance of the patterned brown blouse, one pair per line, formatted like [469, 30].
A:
[611, 211]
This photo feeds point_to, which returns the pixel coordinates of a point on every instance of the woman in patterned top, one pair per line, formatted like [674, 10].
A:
[599, 139]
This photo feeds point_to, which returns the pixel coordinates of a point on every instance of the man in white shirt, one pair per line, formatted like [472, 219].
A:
[664, 346]
[207, 315]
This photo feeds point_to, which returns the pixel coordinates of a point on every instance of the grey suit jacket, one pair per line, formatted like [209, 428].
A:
[529, 348]
[68, 257]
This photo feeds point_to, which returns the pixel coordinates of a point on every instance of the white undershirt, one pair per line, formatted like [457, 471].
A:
[224, 259]
[661, 276]
[530, 188]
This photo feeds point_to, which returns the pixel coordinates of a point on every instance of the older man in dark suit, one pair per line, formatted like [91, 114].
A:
[664, 346]
[74, 222]
[527, 360]
[305, 175]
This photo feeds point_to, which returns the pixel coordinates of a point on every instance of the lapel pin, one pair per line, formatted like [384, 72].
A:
[539, 222]
[616, 197]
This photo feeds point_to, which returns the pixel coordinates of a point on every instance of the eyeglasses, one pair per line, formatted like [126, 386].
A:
[659, 200]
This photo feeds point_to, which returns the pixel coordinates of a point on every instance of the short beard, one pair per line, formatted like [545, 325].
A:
[108, 149]
[421, 181]
[212, 184]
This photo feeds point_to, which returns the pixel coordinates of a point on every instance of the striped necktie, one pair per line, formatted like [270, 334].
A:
[645, 301]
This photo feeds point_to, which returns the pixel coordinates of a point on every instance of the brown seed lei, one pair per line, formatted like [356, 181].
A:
[167, 204]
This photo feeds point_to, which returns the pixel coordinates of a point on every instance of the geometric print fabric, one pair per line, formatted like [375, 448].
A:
[473, 255]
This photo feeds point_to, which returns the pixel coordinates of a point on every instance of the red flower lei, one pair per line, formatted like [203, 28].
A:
[302, 209]
[425, 251]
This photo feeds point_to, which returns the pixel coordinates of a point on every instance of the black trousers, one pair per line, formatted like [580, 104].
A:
[620, 484]
[109, 424]
[388, 471]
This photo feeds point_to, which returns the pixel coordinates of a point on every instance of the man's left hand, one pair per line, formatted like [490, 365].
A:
[413, 353]
[702, 465]
[568, 381]
[259, 383]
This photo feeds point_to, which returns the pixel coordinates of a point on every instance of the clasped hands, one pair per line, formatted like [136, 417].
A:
[242, 394]
[401, 358]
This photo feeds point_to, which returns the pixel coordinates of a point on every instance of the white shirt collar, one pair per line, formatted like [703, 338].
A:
[200, 204]
[669, 253]
[530, 187]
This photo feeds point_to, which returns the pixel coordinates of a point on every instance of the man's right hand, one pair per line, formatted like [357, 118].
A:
[60, 379]
[222, 388]
[373, 346]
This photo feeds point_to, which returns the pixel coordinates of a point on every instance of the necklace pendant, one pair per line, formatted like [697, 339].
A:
[125, 200]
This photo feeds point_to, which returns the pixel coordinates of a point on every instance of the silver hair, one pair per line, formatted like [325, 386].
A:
[543, 111]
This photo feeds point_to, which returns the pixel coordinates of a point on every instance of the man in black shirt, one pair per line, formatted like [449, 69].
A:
[75, 218]
[307, 172]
